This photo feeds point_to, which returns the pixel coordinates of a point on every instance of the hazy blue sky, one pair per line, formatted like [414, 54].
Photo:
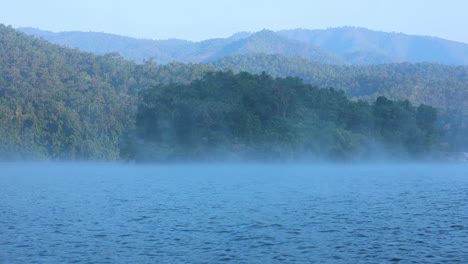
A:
[202, 19]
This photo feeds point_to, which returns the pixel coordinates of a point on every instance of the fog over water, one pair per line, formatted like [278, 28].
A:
[255, 213]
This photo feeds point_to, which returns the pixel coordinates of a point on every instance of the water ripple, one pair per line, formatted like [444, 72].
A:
[156, 215]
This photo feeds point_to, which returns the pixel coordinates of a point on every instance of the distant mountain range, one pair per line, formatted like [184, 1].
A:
[346, 45]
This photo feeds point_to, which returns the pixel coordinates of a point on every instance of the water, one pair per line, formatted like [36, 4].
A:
[101, 213]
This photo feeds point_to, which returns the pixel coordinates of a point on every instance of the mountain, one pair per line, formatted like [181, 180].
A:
[174, 50]
[347, 45]
[102, 43]
[364, 46]
[268, 42]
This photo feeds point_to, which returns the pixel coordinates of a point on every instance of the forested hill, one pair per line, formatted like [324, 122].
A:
[443, 86]
[346, 45]
[58, 103]
[246, 117]
[64, 104]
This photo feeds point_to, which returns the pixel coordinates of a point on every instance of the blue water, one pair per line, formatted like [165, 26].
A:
[107, 213]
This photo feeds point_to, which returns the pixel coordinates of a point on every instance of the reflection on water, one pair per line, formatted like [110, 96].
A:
[100, 213]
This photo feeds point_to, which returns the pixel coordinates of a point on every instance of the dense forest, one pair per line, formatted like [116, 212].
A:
[58, 103]
[256, 117]
[435, 84]
[444, 87]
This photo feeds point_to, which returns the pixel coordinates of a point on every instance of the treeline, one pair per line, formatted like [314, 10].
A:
[442, 86]
[438, 85]
[257, 117]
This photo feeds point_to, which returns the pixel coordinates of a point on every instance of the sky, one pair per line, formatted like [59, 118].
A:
[204, 19]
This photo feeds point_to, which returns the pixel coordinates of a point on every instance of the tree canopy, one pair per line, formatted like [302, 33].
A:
[257, 117]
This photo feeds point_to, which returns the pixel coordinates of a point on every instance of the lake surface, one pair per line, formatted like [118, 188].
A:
[108, 213]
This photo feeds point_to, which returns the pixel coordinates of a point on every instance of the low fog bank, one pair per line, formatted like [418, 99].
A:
[380, 162]
[448, 158]
[272, 154]
[366, 151]
[365, 154]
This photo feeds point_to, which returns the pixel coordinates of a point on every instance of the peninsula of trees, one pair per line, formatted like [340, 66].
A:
[256, 117]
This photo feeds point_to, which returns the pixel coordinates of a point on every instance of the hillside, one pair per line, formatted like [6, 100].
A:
[435, 84]
[57, 103]
[442, 86]
[346, 45]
